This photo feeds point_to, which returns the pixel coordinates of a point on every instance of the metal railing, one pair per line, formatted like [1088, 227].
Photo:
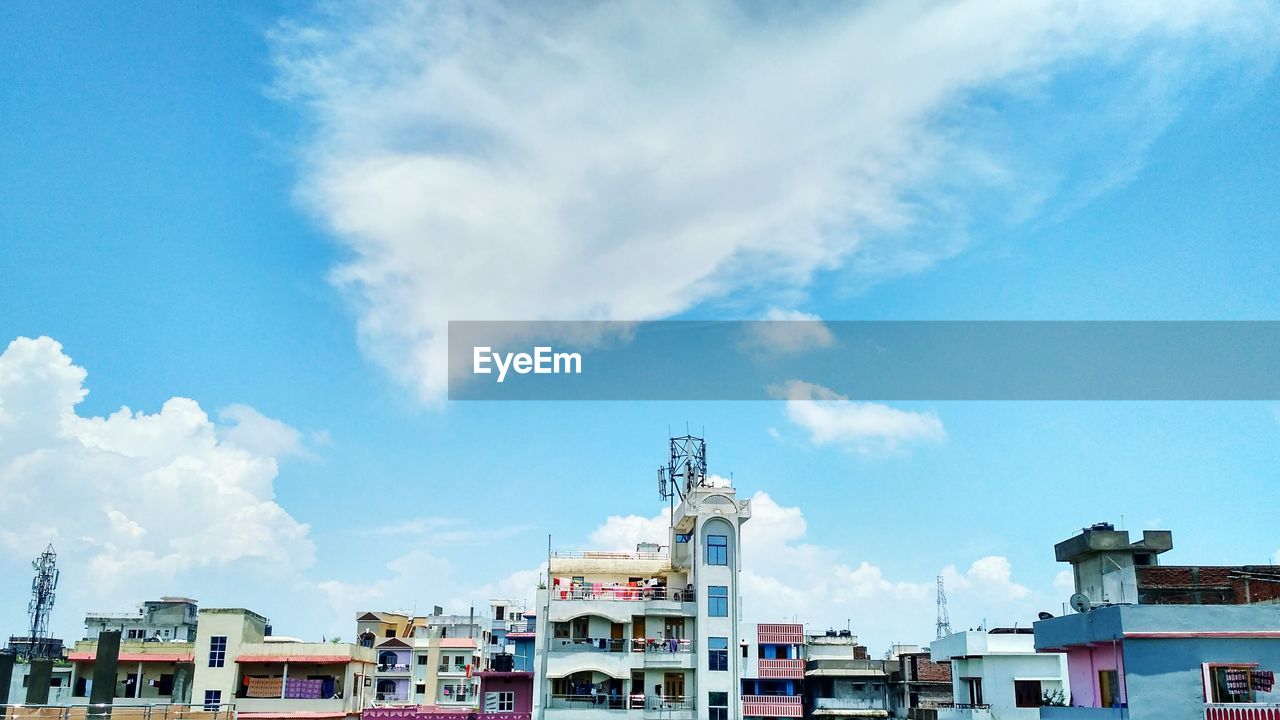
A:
[391, 697]
[623, 593]
[165, 711]
[652, 646]
[608, 555]
[393, 667]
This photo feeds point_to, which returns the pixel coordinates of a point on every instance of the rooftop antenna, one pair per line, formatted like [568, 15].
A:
[686, 469]
[944, 621]
[43, 587]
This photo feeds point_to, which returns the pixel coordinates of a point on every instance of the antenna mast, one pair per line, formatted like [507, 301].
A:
[43, 588]
[944, 622]
[686, 469]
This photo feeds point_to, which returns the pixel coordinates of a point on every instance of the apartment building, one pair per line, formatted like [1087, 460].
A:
[238, 663]
[147, 673]
[169, 619]
[998, 673]
[773, 671]
[648, 633]
[425, 660]
[842, 681]
[918, 683]
[505, 617]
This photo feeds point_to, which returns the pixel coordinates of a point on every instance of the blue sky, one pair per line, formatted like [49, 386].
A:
[258, 206]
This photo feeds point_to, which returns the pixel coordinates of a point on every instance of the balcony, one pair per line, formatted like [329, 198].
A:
[1242, 711]
[780, 634]
[393, 668]
[392, 697]
[772, 706]
[781, 669]
[960, 711]
[622, 593]
[848, 703]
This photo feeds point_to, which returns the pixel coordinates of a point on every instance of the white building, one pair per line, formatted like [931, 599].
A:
[998, 674]
[169, 619]
[650, 633]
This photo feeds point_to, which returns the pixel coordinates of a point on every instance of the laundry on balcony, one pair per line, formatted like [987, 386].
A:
[300, 689]
[263, 687]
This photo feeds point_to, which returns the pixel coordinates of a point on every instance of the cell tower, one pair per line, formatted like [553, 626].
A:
[686, 469]
[43, 590]
[944, 622]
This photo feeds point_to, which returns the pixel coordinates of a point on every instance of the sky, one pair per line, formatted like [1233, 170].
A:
[231, 236]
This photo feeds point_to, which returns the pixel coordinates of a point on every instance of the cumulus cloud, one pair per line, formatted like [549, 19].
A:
[134, 500]
[484, 160]
[832, 419]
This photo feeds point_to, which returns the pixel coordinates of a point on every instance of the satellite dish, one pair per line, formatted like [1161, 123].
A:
[1045, 616]
[1081, 603]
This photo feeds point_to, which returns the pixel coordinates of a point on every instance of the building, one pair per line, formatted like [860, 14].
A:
[426, 660]
[505, 616]
[520, 643]
[1158, 662]
[272, 678]
[1108, 569]
[998, 674]
[169, 619]
[59, 684]
[919, 683]
[773, 672]
[651, 631]
[841, 681]
[23, 646]
[147, 673]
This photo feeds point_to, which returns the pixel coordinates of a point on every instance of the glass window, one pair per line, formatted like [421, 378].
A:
[717, 653]
[718, 705]
[717, 550]
[212, 698]
[218, 651]
[718, 601]
[506, 701]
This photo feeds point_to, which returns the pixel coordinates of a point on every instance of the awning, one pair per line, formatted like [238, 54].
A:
[301, 659]
[134, 657]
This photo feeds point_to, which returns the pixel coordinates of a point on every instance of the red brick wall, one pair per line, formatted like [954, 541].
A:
[1208, 584]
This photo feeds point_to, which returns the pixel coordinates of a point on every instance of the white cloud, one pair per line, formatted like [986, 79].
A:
[1064, 582]
[252, 431]
[606, 161]
[832, 419]
[784, 332]
[134, 502]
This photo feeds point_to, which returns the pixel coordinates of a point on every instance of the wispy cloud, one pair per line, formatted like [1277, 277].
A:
[485, 160]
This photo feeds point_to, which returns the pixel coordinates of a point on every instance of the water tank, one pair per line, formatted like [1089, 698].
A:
[504, 662]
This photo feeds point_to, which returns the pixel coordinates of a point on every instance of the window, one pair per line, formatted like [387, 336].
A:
[1231, 684]
[390, 632]
[218, 651]
[974, 688]
[1108, 688]
[212, 698]
[506, 701]
[1026, 693]
[422, 659]
[500, 613]
[717, 550]
[420, 688]
[717, 653]
[718, 706]
[859, 687]
[744, 650]
[718, 601]
[560, 630]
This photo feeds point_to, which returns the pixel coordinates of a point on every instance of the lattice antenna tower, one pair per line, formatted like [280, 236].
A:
[686, 469]
[944, 621]
[44, 588]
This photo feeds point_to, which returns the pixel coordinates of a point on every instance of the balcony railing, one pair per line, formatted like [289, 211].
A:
[624, 593]
[1234, 711]
[392, 697]
[772, 706]
[393, 667]
[649, 646]
[454, 668]
[780, 669]
[167, 711]
[583, 701]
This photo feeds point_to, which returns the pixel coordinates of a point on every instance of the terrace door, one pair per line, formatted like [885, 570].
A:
[673, 685]
[674, 628]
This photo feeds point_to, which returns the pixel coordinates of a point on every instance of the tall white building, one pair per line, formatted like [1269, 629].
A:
[649, 634]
